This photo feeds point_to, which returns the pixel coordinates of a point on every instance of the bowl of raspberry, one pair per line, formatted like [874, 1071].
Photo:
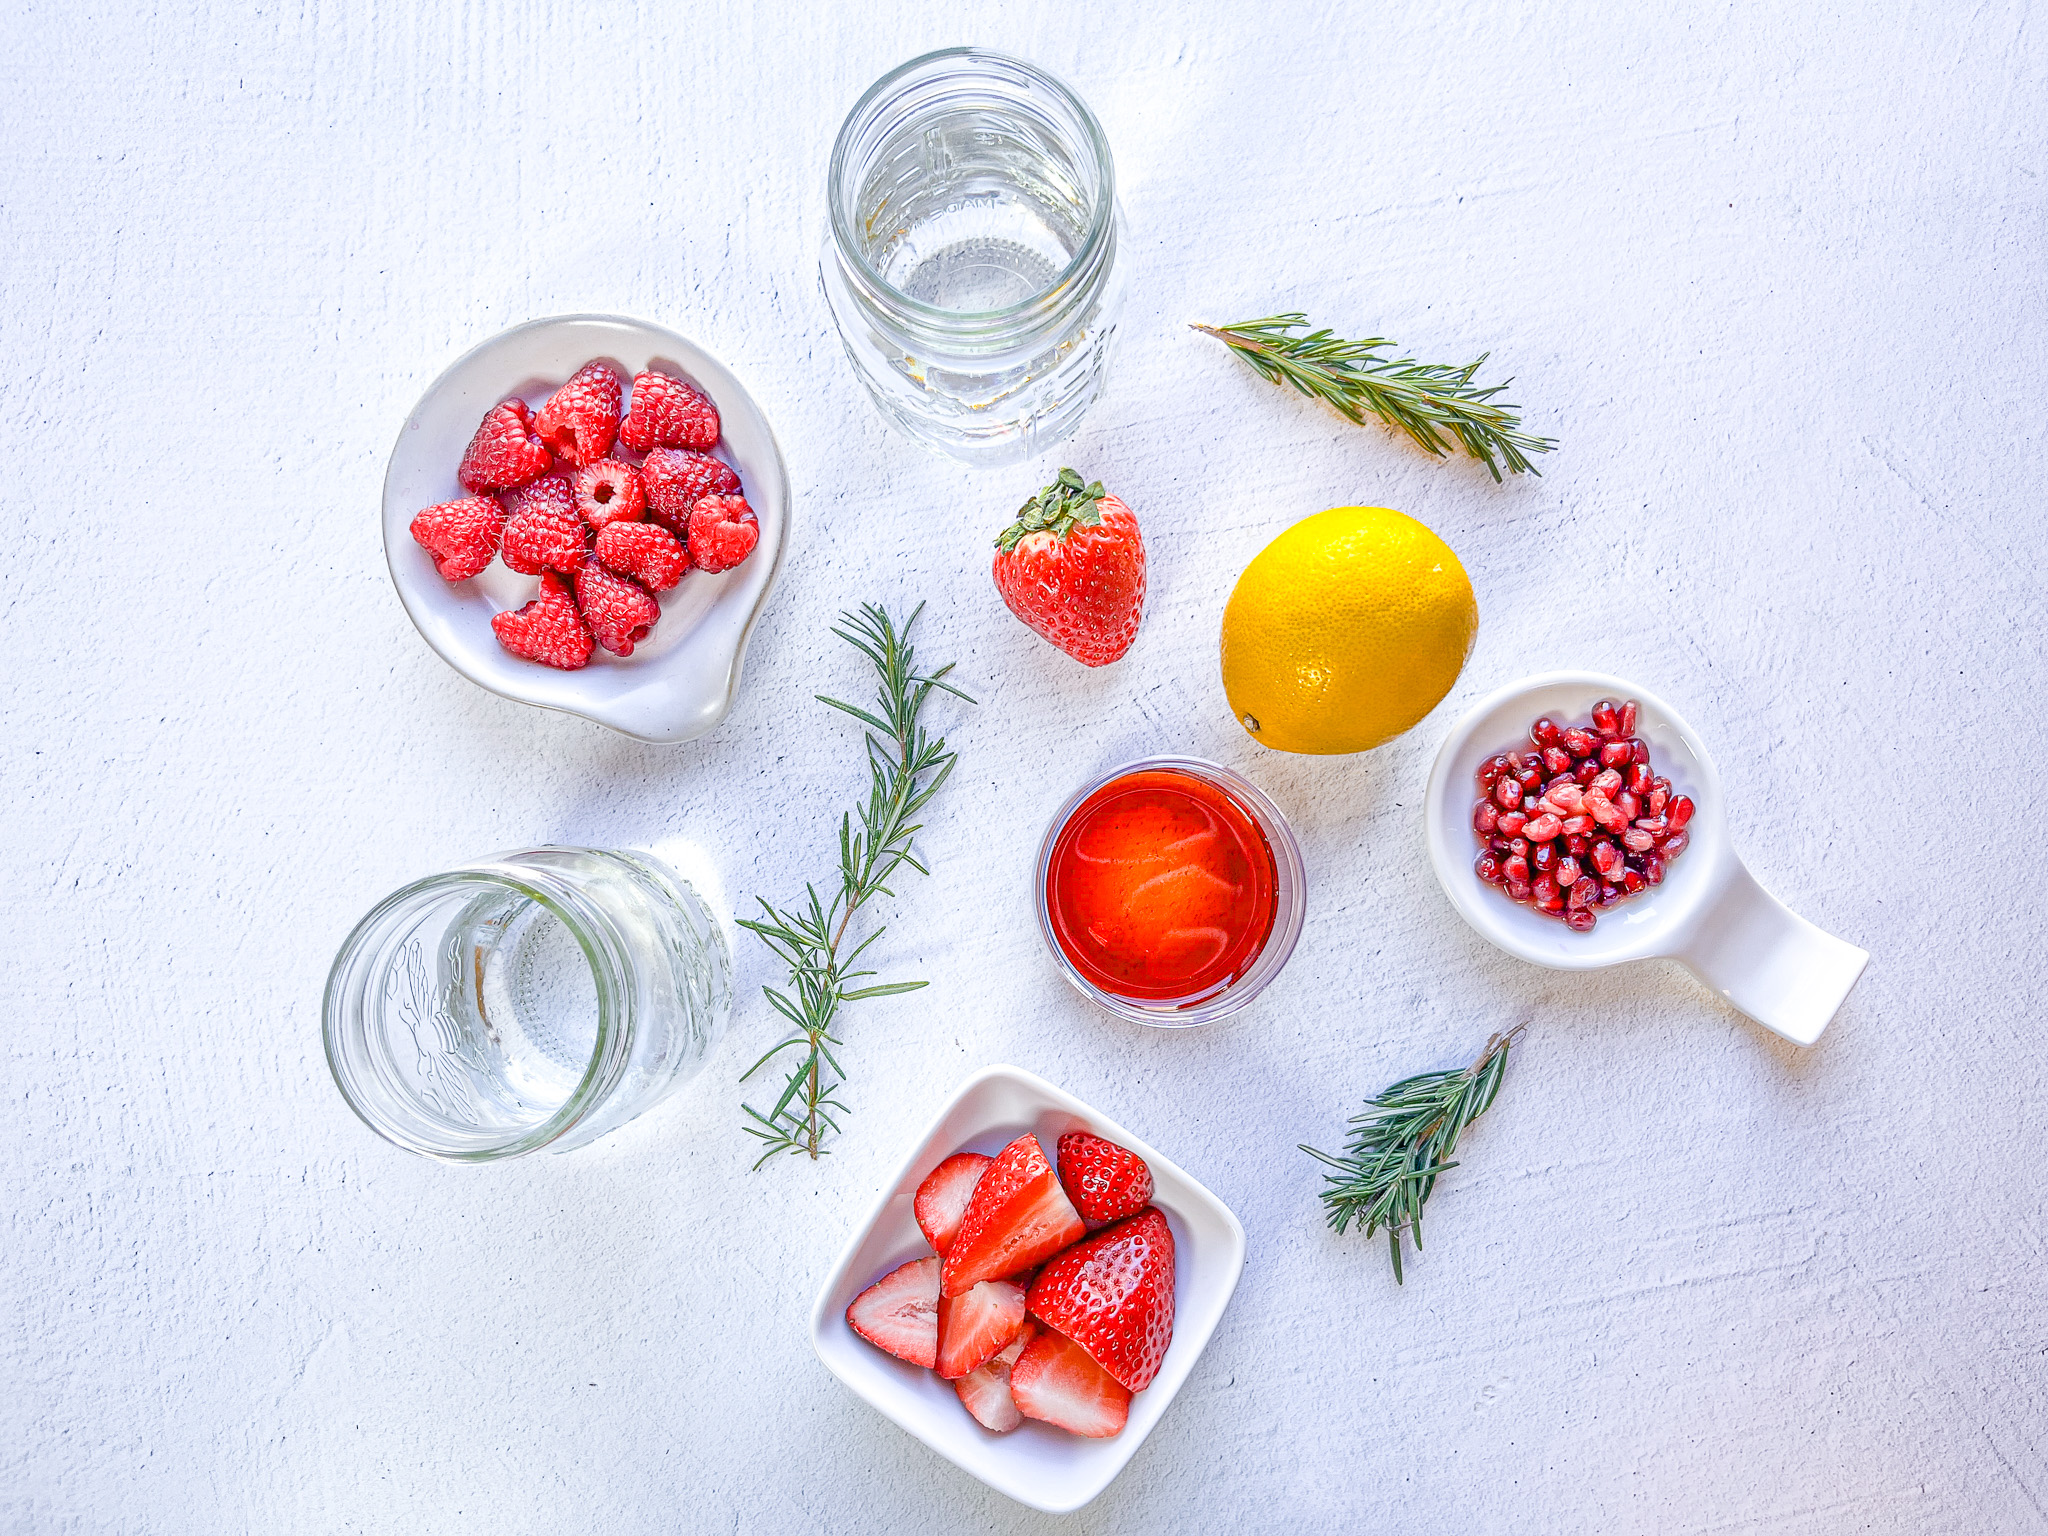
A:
[1578, 822]
[587, 513]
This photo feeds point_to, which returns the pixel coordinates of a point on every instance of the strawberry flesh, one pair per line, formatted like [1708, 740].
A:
[1056, 1381]
[1018, 1217]
[1113, 1295]
[977, 1325]
[985, 1390]
[1106, 1182]
[900, 1312]
[942, 1197]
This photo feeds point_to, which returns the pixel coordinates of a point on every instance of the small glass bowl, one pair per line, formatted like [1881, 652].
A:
[1290, 900]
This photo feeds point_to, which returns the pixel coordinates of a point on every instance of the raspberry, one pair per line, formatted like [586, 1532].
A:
[461, 535]
[581, 418]
[548, 630]
[609, 492]
[552, 492]
[544, 535]
[667, 413]
[504, 452]
[677, 479]
[723, 532]
[647, 552]
[619, 613]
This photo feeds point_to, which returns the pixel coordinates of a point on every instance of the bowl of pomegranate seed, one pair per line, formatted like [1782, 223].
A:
[588, 513]
[1578, 822]
[1030, 1290]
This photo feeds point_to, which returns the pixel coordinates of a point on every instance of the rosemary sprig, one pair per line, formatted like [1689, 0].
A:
[1425, 400]
[906, 766]
[1403, 1140]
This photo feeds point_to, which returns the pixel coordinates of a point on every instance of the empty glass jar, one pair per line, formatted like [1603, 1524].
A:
[533, 999]
[972, 260]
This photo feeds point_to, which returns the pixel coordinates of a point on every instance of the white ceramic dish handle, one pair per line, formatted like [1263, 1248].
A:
[1769, 961]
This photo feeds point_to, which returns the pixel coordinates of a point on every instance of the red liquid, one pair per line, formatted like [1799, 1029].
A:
[1161, 887]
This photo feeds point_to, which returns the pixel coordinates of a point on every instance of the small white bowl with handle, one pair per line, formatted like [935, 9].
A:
[1710, 914]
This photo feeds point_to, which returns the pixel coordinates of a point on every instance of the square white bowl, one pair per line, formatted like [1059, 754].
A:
[1034, 1464]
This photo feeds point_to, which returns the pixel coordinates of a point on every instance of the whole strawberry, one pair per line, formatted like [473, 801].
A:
[580, 420]
[1073, 568]
[461, 535]
[504, 452]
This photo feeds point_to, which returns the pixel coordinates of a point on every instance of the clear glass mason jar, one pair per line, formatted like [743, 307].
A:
[533, 999]
[971, 265]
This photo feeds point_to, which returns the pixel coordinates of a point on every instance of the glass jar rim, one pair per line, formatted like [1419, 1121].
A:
[1289, 896]
[339, 1020]
[967, 322]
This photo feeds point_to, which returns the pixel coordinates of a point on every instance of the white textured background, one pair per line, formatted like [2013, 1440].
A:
[1773, 275]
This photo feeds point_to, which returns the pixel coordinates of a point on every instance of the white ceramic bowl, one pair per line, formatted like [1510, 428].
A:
[680, 681]
[1034, 1464]
[1710, 914]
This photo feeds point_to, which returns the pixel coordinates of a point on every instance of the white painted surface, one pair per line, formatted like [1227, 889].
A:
[1773, 275]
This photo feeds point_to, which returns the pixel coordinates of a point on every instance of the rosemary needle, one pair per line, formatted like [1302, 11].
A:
[1432, 402]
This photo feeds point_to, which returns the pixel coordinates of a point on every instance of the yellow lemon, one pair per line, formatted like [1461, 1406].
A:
[1345, 631]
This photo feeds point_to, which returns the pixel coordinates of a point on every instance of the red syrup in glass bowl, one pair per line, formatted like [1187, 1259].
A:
[1162, 887]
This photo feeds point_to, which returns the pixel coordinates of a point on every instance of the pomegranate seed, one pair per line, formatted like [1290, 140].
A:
[1516, 869]
[1639, 778]
[1628, 718]
[1628, 805]
[1544, 732]
[1579, 920]
[1487, 868]
[1636, 840]
[1614, 753]
[1659, 798]
[1578, 844]
[1577, 742]
[1485, 816]
[1553, 903]
[1545, 887]
[1529, 762]
[1498, 845]
[1656, 826]
[1581, 892]
[1576, 826]
[1681, 812]
[1606, 815]
[1529, 804]
[1639, 751]
[1606, 715]
[1544, 856]
[1567, 870]
[1543, 828]
[1606, 859]
[1567, 797]
[1676, 844]
[1519, 845]
[1609, 895]
[1653, 868]
[1510, 823]
[1519, 889]
[1607, 781]
[1507, 794]
[1633, 881]
[1557, 760]
[1587, 771]
[1491, 770]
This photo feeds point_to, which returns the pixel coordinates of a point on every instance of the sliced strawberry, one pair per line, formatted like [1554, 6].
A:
[1113, 1295]
[1055, 1380]
[580, 420]
[985, 1390]
[1106, 1182]
[1018, 1217]
[900, 1312]
[976, 1325]
[942, 1197]
[504, 452]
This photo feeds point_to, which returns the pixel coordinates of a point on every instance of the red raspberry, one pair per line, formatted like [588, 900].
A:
[548, 630]
[609, 492]
[677, 479]
[647, 552]
[504, 452]
[618, 612]
[667, 413]
[552, 493]
[723, 532]
[461, 535]
[543, 535]
[581, 418]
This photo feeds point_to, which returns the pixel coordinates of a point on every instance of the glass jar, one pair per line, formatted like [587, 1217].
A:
[971, 265]
[534, 999]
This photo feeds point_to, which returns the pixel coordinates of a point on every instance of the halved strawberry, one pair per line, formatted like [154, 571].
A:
[1106, 1182]
[1055, 1380]
[985, 1390]
[976, 1325]
[1018, 1217]
[942, 1197]
[900, 1312]
[1113, 1295]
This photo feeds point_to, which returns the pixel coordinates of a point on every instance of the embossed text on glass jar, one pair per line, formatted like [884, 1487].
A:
[971, 264]
[533, 999]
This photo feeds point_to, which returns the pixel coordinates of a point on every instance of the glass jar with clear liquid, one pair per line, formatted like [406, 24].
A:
[534, 999]
[971, 265]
